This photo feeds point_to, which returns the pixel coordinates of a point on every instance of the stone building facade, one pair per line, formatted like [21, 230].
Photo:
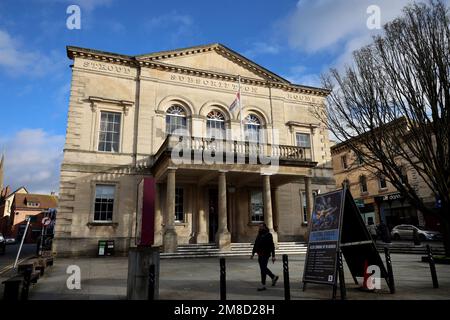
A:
[378, 200]
[123, 121]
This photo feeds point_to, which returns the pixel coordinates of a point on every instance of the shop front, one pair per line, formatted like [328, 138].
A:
[395, 209]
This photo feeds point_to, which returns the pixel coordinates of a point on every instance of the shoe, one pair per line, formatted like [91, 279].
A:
[274, 281]
[262, 289]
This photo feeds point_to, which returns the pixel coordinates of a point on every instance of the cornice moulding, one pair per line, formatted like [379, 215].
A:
[154, 63]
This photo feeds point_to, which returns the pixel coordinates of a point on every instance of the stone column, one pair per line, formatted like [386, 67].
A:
[309, 198]
[158, 216]
[223, 236]
[202, 234]
[309, 203]
[275, 208]
[170, 236]
[268, 217]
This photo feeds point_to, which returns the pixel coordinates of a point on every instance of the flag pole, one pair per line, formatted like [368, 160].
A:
[240, 106]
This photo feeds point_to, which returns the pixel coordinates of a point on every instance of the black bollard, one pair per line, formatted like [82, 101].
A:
[151, 282]
[223, 279]
[432, 267]
[287, 286]
[26, 283]
[389, 270]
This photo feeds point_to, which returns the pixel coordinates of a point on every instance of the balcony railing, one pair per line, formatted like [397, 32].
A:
[235, 148]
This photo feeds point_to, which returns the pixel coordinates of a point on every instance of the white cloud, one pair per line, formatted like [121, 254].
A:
[180, 26]
[259, 48]
[32, 159]
[16, 60]
[309, 79]
[88, 5]
[322, 24]
[336, 26]
[299, 74]
[172, 20]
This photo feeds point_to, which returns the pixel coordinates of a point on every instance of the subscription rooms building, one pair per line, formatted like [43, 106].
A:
[251, 149]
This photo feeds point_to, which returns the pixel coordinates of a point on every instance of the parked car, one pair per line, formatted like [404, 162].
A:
[10, 240]
[406, 232]
[2, 244]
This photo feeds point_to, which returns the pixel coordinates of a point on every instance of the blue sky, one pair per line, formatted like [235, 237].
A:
[298, 40]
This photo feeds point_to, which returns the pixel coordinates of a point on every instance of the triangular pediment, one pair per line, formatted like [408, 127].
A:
[213, 58]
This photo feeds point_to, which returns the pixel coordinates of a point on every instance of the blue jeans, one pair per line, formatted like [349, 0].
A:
[263, 261]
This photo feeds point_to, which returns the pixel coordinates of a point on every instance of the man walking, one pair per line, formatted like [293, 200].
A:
[265, 248]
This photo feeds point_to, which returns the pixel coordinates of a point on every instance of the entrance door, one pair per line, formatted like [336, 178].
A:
[213, 214]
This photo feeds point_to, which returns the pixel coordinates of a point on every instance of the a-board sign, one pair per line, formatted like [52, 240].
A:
[337, 228]
[320, 266]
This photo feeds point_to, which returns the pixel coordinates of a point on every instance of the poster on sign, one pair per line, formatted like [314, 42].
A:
[321, 260]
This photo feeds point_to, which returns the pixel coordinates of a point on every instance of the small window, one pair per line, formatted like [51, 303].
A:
[360, 159]
[346, 182]
[382, 181]
[257, 206]
[403, 175]
[179, 204]
[32, 204]
[363, 183]
[109, 132]
[104, 202]
[344, 162]
[303, 140]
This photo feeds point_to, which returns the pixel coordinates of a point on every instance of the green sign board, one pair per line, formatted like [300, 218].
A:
[359, 203]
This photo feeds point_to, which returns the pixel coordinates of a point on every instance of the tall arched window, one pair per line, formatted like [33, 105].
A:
[175, 119]
[252, 128]
[215, 125]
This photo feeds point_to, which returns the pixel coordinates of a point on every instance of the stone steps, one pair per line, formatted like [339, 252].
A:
[290, 248]
[237, 249]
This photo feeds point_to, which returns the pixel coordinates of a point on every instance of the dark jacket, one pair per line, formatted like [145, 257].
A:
[264, 245]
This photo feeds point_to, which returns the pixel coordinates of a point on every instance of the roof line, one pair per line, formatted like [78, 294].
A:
[138, 58]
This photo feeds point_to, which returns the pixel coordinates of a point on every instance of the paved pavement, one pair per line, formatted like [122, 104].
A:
[9, 257]
[105, 278]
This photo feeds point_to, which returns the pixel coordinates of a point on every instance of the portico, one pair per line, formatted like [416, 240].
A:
[226, 188]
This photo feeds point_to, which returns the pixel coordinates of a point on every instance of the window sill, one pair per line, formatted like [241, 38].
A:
[108, 152]
[382, 190]
[305, 223]
[255, 223]
[102, 224]
[180, 224]
[365, 193]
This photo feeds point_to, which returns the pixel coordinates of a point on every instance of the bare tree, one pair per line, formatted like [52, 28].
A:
[391, 106]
